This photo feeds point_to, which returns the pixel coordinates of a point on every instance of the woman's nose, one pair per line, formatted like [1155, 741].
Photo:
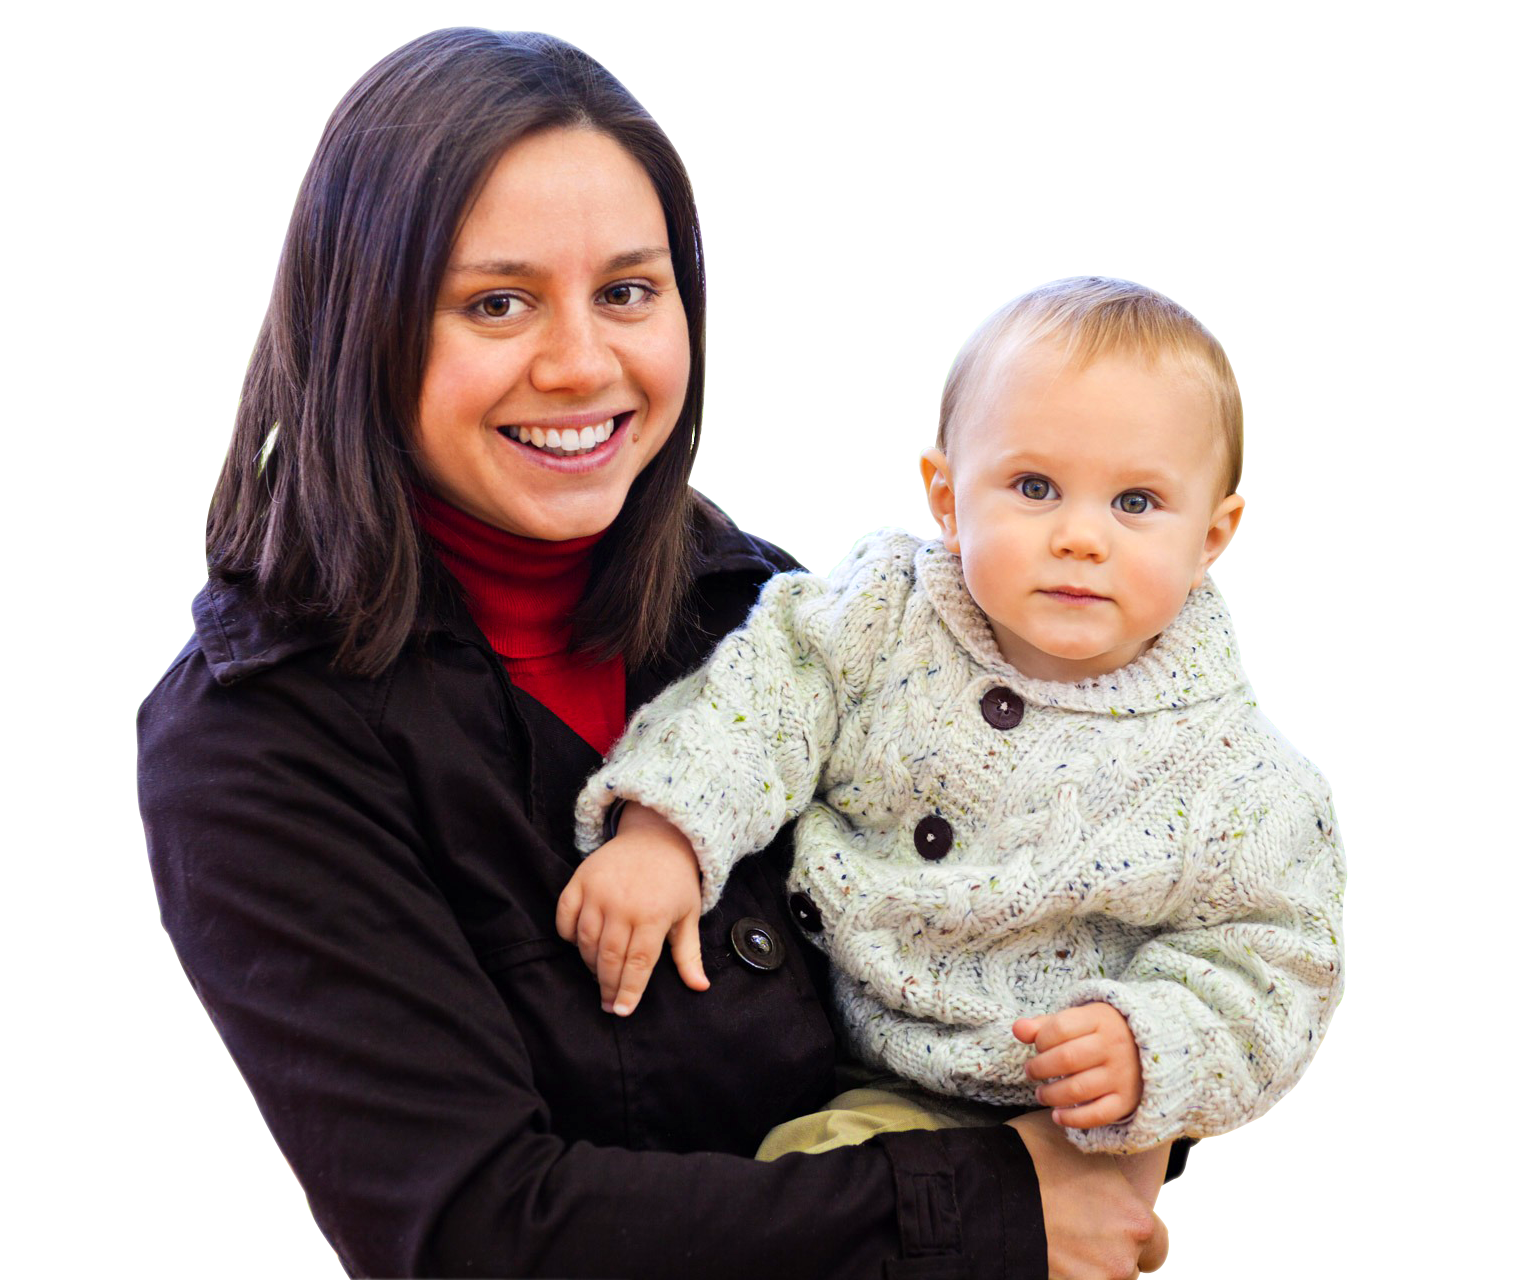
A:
[1079, 535]
[574, 356]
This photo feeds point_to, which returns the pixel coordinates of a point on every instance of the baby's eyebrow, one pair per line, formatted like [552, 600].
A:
[516, 267]
[1122, 474]
[1146, 479]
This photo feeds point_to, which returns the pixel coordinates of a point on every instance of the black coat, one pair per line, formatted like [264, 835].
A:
[360, 878]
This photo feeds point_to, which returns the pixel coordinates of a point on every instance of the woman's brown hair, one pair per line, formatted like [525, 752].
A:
[313, 507]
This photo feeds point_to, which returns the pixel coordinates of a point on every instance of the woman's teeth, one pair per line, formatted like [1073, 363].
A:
[567, 442]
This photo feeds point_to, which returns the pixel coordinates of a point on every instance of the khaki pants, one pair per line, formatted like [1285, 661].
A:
[882, 1104]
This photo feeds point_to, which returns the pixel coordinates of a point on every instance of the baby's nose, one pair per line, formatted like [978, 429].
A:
[1080, 536]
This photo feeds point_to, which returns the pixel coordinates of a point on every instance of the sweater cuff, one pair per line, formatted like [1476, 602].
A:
[968, 1206]
[1168, 1071]
[725, 816]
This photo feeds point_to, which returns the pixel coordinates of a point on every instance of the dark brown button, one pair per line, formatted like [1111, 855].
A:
[807, 914]
[1002, 708]
[933, 837]
[756, 944]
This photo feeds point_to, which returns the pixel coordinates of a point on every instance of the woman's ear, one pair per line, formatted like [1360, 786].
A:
[940, 496]
[1221, 528]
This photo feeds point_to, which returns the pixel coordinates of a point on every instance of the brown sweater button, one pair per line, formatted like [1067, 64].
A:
[1002, 708]
[933, 837]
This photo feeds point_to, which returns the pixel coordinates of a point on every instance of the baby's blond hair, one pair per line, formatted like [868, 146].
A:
[1090, 317]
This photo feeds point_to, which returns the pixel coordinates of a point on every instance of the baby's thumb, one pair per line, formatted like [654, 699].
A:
[683, 942]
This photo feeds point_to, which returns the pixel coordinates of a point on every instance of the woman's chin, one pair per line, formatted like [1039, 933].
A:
[569, 516]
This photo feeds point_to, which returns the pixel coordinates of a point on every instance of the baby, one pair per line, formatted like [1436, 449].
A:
[1053, 851]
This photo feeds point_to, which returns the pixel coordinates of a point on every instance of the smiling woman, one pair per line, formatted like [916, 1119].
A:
[413, 248]
[558, 355]
[470, 552]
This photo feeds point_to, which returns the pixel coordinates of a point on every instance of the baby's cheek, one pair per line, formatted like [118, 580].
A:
[1157, 590]
[992, 581]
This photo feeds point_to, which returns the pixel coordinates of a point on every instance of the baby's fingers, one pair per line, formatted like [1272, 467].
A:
[621, 987]
[1105, 1110]
[609, 959]
[588, 930]
[567, 908]
[1066, 1059]
[1073, 1091]
[683, 939]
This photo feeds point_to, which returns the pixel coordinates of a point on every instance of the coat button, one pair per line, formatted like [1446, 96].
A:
[807, 914]
[756, 944]
[1002, 708]
[933, 837]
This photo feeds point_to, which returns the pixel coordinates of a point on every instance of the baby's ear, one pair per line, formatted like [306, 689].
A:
[940, 496]
[1221, 528]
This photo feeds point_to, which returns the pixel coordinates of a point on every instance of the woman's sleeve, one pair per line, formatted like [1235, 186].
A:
[734, 751]
[297, 890]
[1230, 998]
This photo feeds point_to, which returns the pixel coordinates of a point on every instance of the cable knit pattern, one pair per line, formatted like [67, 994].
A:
[1144, 838]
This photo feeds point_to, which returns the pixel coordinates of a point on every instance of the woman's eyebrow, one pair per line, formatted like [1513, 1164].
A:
[509, 267]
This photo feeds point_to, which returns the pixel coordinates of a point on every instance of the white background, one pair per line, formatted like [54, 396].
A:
[1327, 186]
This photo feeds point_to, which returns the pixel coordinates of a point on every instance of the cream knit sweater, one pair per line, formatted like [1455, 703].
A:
[1144, 838]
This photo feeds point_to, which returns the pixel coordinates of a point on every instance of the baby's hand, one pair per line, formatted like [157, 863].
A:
[625, 898]
[1089, 1059]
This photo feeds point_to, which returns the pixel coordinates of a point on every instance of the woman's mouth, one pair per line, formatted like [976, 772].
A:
[567, 441]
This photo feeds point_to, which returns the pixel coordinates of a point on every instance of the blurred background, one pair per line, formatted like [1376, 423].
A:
[809, 452]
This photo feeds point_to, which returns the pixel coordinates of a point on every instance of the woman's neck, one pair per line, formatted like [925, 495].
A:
[520, 591]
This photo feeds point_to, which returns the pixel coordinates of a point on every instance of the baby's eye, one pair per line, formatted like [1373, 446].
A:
[1135, 502]
[628, 294]
[1036, 488]
[499, 306]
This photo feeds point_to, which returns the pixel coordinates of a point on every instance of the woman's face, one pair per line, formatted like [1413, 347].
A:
[559, 353]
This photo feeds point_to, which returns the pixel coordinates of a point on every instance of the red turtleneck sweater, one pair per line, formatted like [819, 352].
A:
[521, 592]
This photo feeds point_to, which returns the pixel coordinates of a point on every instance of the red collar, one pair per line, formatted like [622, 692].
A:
[520, 591]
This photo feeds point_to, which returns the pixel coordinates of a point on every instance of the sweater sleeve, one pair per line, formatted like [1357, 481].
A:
[1229, 999]
[734, 751]
[295, 882]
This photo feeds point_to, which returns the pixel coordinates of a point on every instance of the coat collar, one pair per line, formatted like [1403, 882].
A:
[238, 637]
[1194, 659]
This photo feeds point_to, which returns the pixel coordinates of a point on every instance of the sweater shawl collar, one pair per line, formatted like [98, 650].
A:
[1193, 660]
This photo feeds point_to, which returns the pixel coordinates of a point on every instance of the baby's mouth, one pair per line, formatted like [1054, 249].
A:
[1077, 594]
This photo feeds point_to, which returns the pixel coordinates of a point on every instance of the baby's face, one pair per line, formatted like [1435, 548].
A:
[1084, 506]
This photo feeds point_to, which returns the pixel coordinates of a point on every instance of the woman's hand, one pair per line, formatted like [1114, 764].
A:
[625, 898]
[1146, 1171]
[1096, 1225]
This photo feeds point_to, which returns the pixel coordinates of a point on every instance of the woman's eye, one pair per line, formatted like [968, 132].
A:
[1134, 503]
[1036, 488]
[500, 306]
[627, 294]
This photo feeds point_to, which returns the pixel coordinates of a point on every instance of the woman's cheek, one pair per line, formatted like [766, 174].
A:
[666, 367]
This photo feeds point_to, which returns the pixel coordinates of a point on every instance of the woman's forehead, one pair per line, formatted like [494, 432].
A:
[564, 191]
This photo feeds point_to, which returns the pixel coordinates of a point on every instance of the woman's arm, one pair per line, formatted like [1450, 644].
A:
[302, 900]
